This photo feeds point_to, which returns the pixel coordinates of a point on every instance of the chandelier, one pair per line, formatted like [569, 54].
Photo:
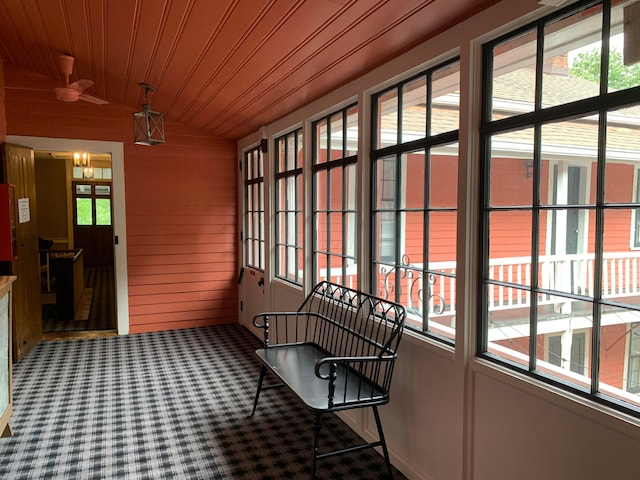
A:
[83, 160]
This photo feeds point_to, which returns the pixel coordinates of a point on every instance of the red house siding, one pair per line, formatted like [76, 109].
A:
[613, 345]
[181, 204]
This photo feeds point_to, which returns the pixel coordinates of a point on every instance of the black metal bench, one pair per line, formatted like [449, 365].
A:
[336, 352]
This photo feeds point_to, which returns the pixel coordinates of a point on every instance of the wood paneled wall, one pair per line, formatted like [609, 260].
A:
[3, 118]
[181, 204]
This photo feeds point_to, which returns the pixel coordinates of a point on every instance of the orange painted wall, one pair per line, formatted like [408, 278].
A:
[181, 204]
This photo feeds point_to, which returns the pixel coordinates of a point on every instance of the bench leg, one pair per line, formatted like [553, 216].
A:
[263, 370]
[383, 443]
[316, 435]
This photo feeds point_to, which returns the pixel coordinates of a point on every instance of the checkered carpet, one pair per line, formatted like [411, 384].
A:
[162, 406]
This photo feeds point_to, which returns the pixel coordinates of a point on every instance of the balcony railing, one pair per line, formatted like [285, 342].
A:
[572, 274]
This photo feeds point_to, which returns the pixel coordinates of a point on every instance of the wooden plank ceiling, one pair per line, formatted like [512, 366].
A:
[224, 66]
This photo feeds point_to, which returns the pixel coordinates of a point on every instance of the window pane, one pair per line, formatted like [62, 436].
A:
[620, 265]
[321, 272]
[335, 231]
[281, 158]
[291, 158]
[335, 195]
[385, 237]
[321, 186]
[83, 189]
[299, 149]
[510, 248]
[442, 240]
[620, 341]
[575, 142]
[569, 323]
[281, 194]
[508, 332]
[412, 186]
[622, 155]
[84, 213]
[387, 119]
[441, 303]
[567, 265]
[414, 110]
[336, 136]
[352, 131]
[443, 173]
[632, 380]
[445, 105]
[320, 148]
[103, 190]
[351, 172]
[572, 40]
[385, 190]
[350, 234]
[412, 232]
[321, 232]
[103, 211]
[511, 168]
[514, 76]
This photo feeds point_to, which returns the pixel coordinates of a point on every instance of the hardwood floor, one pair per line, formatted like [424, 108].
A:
[96, 311]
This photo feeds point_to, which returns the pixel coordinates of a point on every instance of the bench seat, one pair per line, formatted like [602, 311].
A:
[294, 366]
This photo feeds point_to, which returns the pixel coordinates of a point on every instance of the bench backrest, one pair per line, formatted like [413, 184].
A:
[349, 323]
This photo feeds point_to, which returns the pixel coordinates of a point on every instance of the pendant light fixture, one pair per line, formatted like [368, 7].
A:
[148, 126]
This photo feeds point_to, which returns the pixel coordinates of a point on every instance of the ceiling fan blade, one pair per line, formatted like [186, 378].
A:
[66, 94]
[92, 99]
[81, 84]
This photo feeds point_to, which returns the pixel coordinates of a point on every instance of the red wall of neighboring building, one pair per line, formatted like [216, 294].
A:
[181, 206]
[612, 352]
[613, 343]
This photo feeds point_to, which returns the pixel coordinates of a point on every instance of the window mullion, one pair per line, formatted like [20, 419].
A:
[425, 244]
[599, 253]
[535, 248]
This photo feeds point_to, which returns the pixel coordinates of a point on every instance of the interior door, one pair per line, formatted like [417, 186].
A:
[93, 222]
[251, 280]
[18, 169]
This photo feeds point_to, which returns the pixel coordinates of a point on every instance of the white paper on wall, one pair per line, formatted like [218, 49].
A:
[24, 214]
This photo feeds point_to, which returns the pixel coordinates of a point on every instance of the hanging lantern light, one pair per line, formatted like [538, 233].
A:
[148, 126]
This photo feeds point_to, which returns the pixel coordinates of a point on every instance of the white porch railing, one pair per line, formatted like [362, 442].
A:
[564, 274]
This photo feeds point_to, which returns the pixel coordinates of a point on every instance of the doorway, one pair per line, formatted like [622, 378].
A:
[73, 195]
[568, 229]
[116, 150]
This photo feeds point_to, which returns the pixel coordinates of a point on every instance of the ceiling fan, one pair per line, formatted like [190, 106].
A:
[73, 92]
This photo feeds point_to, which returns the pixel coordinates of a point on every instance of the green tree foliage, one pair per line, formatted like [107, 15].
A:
[587, 65]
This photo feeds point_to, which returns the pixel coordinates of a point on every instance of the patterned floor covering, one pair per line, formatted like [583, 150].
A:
[162, 406]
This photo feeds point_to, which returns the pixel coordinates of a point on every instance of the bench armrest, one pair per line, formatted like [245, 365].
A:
[335, 361]
[366, 378]
[281, 328]
[264, 317]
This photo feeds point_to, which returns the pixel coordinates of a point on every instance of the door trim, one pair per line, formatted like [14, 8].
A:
[116, 149]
